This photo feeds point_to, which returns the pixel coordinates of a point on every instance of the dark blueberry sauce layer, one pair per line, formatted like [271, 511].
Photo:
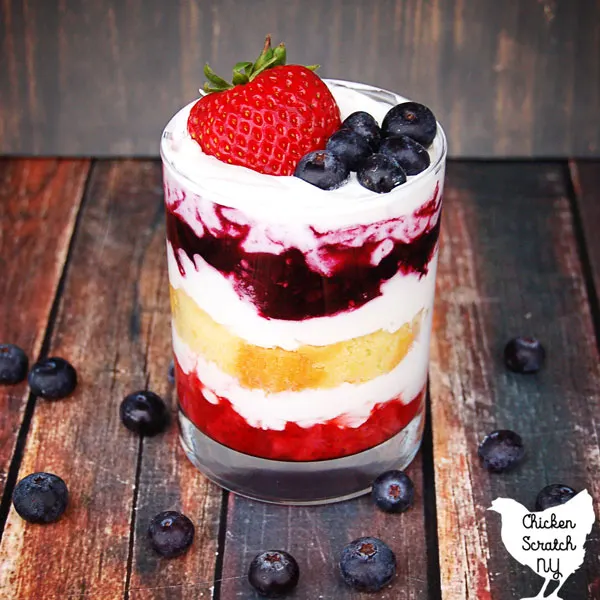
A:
[284, 286]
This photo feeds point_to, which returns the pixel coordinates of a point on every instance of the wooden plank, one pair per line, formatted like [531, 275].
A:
[586, 184]
[167, 480]
[104, 80]
[509, 266]
[112, 324]
[316, 535]
[39, 201]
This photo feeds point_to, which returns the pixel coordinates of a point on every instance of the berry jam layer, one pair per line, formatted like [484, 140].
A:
[215, 416]
[297, 272]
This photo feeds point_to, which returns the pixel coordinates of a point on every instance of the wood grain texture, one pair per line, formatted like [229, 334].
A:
[586, 184]
[39, 201]
[509, 266]
[315, 536]
[112, 324]
[167, 480]
[98, 78]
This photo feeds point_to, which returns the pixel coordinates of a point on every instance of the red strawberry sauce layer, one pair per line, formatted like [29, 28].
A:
[323, 441]
[342, 272]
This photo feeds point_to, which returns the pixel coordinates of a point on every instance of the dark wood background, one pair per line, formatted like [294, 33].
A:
[514, 78]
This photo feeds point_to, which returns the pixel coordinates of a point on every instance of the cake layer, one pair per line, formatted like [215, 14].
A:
[217, 418]
[351, 404]
[401, 298]
[276, 370]
[296, 271]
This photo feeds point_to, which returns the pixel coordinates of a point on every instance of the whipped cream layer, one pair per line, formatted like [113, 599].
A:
[350, 404]
[289, 200]
[401, 299]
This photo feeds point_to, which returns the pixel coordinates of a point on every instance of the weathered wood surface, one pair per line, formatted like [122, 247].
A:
[316, 536]
[167, 480]
[39, 200]
[586, 186]
[505, 78]
[112, 324]
[509, 266]
[513, 244]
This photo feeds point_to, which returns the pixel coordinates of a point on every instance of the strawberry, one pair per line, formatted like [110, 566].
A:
[270, 117]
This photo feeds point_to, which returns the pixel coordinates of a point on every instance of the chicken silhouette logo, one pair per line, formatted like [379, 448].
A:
[550, 542]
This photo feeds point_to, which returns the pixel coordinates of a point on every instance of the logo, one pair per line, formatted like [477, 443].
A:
[550, 542]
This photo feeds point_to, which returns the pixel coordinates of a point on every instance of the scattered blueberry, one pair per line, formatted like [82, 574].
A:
[380, 173]
[524, 355]
[323, 169]
[171, 533]
[350, 147]
[367, 564]
[554, 495]
[171, 372]
[13, 364]
[41, 497]
[411, 119]
[144, 412]
[52, 378]
[273, 573]
[393, 491]
[410, 155]
[366, 126]
[501, 450]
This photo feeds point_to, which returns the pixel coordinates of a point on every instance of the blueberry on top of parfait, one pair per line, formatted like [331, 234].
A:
[366, 126]
[411, 119]
[408, 153]
[323, 169]
[380, 173]
[350, 147]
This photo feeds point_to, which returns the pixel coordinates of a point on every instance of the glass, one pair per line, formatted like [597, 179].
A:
[300, 331]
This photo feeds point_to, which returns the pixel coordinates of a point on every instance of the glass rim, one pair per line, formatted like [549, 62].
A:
[357, 204]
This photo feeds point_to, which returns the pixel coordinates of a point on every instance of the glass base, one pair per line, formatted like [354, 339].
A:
[299, 483]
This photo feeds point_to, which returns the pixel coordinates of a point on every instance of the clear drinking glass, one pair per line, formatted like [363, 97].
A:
[300, 329]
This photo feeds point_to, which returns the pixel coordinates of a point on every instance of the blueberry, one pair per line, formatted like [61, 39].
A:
[52, 378]
[171, 533]
[349, 147]
[524, 355]
[367, 564]
[366, 126]
[380, 173]
[171, 373]
[554, 495]
[273, 573]
[501, 450]
[393, 491]
[411, 119]
[144, 412]
[410, 155]
[323, 169]
[13, 364]
[41, 498]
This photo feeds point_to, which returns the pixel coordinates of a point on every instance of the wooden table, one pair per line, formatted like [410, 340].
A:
[84, 277]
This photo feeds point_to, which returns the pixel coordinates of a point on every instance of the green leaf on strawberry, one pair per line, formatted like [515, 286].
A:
[264, 123]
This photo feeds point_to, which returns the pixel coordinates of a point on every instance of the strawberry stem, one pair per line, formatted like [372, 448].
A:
[244, 72]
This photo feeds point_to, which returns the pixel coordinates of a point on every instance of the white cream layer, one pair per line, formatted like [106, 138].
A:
[402, 297]
[351, 404]
[288, 199]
